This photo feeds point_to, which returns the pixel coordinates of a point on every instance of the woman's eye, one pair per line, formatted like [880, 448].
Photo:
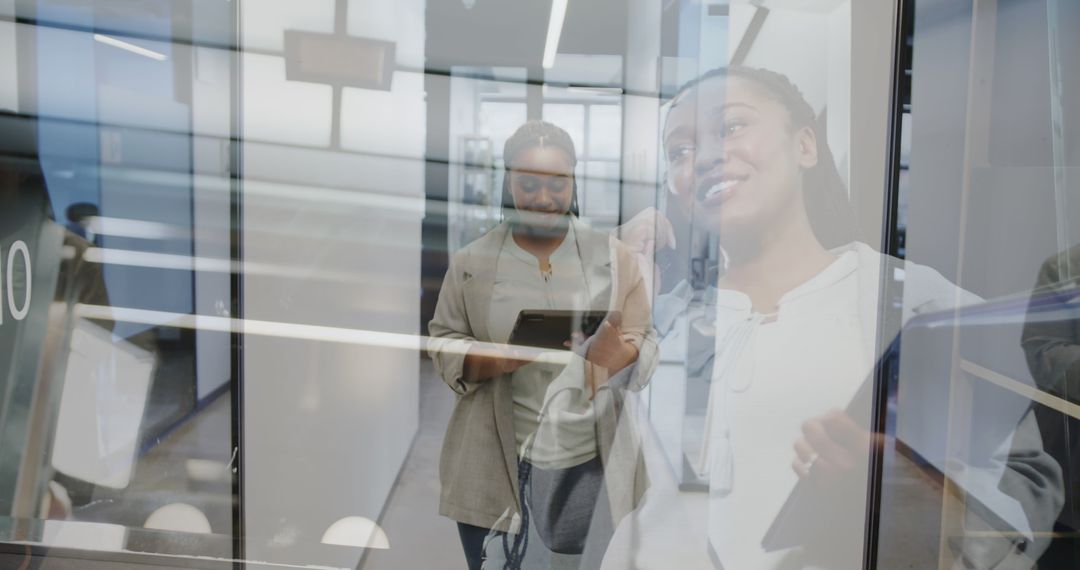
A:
[528, 185]
[679, 152]
[733, 126]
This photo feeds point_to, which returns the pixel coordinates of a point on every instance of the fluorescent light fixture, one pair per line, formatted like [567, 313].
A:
[555, 25]
[595, 90]
[111, 41]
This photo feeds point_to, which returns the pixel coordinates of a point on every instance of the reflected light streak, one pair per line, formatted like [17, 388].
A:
[111, 41]
[411, 204]
[158, 260]
[123, 227]
[307, 332]
[131, 258]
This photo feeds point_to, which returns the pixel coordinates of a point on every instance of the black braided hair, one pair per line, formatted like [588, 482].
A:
[532, 134]
[828, 207]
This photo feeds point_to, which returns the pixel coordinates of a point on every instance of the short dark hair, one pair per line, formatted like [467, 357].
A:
[533, 134]
[827, 203]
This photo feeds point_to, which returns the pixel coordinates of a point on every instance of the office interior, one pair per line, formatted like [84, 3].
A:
[267, 194]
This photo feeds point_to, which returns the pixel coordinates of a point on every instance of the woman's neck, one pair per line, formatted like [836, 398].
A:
[539, 243]
[776, 263]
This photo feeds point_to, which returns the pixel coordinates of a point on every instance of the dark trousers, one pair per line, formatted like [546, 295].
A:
[472, 540]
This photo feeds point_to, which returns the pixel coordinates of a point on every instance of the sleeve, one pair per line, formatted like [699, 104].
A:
[450, 336]
[1052, 347]
[637, 328]
[927, 291]
[637, 323]
[1034, 480]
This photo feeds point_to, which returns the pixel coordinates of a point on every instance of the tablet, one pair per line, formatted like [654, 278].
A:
[550, 329]
[799, 520]
[985, 337]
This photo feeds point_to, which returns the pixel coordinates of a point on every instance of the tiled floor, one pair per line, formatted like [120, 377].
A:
[164, 475]
[419, 537]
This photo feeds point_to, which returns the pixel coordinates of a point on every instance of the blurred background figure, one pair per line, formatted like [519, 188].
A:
[1051, 342]
[79, 217]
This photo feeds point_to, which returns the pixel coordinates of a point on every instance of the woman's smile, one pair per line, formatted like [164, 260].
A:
[715, 190]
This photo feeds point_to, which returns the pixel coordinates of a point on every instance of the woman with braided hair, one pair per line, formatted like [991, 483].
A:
[787, 335]
[526, 458]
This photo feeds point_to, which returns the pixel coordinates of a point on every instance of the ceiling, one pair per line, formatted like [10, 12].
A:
[512, 32]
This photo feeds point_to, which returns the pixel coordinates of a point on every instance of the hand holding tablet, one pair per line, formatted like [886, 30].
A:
[551, 329]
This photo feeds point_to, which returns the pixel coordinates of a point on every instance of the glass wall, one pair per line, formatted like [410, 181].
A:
[478, 284]
[119, 366]
[981, 406]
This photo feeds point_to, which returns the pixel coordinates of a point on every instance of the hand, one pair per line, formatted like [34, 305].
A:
[833, 448]
[647, 232]
[492, 360]
[609, 349]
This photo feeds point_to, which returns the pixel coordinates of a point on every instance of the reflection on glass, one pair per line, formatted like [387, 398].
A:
[400, 296]
[780, 340]
[1050, 343]
[977, 403]
[573, 308]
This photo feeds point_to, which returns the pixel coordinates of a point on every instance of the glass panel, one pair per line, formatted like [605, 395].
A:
[570, 117]
[601, 191]
[979, 451]
[476, 201]
[405, 284]
[117, 416]
[605, 131]
[498, 121]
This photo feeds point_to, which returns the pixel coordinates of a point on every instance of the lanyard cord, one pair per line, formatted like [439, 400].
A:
[515, 555]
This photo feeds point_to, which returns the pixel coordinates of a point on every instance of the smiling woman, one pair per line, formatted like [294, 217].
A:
[386, 283]
[540, 154]
[749, 137]
[794, 306]
[516, 414]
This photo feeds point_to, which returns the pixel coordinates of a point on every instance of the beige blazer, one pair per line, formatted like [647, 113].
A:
[478, 467]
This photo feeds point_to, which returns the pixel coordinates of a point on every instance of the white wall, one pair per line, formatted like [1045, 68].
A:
[872, 35]
[210, 121]
[839, 54]
[328, 424]
[9, 79]
[641, 108]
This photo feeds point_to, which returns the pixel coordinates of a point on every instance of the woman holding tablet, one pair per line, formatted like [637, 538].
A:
[794, 320]
[525, 457]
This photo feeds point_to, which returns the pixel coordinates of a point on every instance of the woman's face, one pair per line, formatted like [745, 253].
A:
[542, 186]
[734, 157]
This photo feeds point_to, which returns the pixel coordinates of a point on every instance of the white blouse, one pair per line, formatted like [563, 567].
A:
[771, 374]
[569, 436]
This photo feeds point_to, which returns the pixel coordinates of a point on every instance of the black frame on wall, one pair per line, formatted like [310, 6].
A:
[236, 283]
